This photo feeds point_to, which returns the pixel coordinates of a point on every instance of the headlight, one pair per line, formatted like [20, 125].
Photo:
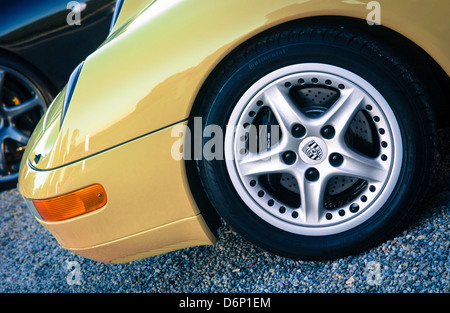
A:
[117, 9]
[70, 88]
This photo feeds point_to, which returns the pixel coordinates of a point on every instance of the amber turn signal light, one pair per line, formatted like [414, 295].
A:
[71, 204]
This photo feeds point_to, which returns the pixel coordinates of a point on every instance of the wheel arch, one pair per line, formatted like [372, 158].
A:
[427, 67]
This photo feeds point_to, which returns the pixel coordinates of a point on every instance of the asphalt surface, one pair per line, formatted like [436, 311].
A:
[416, 261]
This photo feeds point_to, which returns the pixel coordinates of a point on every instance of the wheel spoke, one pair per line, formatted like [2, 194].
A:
[361, 166]
[312, 198]
[266, 162]
[340, 114]
[16, 135]
[285, 111]
[13, 112]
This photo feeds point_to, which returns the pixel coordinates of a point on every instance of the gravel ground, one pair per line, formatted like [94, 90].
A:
[416, 261]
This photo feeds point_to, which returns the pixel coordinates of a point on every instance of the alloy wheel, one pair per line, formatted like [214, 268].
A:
[329, 154]
[21, 107]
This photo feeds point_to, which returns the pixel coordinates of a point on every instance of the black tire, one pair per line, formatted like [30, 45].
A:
[376, 63]
[19, 84]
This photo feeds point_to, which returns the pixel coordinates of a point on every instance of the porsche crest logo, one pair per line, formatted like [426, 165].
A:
[313, 150]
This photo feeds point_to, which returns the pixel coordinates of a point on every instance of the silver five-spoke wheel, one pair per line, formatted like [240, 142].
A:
[21, 107]
[332, 150]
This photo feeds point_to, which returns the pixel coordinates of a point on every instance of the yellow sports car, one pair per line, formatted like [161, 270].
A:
[308, 126]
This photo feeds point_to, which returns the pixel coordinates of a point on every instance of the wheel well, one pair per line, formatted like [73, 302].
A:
[434, 78]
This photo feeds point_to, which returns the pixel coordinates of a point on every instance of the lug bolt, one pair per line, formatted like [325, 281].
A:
[336, 159]
[289, 157]
[298, 131]
[327, 132]
[312, 174]
[354, 208]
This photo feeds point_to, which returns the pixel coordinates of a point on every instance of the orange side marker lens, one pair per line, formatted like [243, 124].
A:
[71, 204]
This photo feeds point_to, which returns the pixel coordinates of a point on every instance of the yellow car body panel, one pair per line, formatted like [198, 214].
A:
[143, 205]
[135, 93]
[141, 83]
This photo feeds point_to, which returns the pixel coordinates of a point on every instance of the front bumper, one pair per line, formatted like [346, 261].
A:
[150, 208]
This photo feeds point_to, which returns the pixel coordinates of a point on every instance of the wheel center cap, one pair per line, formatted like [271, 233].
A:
[313, 150]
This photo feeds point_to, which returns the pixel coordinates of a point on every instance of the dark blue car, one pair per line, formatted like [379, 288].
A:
[41, 42]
